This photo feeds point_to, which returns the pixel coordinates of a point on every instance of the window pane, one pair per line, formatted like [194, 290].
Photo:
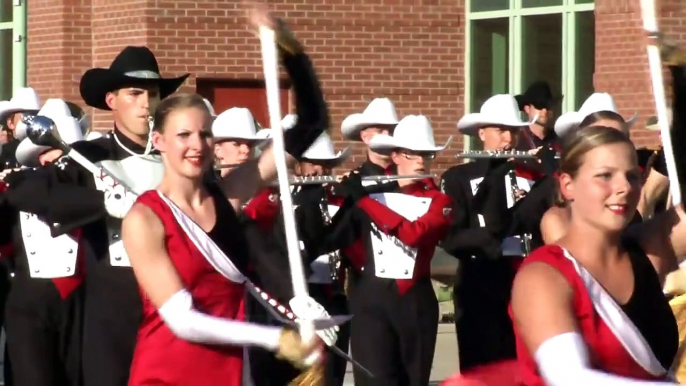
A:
[542, 54]
[6, 10]
[540, 3]
[584, 46]
[6, 64]
[489, 5]
[489, 63]
[585, 1]
[489, 66]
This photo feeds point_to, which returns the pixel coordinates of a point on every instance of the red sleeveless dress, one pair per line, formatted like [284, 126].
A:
[615, 344]
[160, 358]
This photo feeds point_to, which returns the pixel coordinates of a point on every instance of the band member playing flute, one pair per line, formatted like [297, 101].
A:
[485, 276]
[44, 308]
[395, 234]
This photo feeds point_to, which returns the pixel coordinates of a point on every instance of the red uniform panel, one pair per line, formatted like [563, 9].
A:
[162, 358]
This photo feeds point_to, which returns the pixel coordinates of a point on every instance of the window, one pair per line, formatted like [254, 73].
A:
[512, 43]
[12, 47]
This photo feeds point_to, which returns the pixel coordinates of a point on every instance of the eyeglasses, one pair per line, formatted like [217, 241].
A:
[416, 156]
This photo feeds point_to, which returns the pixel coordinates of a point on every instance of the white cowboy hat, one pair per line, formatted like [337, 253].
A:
[413, 132]
[52, 108]
[652, 123]
[209, 107]
[322, 151]
[286, 124]
[380, 111]
[67, 126]
[595, 103]
[498, 110]
[235, 123]
[24, 99]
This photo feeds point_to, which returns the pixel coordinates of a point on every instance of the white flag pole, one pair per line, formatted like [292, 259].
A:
[650, 25]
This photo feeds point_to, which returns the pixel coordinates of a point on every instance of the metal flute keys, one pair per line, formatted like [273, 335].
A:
[517, 154]
[314, 180]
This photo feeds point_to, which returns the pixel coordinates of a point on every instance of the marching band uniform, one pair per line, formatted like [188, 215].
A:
[316, 207]
[636, 340]
[44, 308]
[539, 96]
[395, 233]
[96, 204]
[486, 271]
[248, 250]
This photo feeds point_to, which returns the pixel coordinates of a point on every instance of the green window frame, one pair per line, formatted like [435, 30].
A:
[12, 40]
[507, 56]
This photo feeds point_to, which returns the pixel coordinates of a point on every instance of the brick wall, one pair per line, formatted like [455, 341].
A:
[410, 51]
[621, 59]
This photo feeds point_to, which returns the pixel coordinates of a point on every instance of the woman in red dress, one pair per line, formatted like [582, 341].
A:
[589, 309]
[191, 254]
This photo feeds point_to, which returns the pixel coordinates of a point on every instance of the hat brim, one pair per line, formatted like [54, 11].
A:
[568, 121]
[97, 82]
[27, 153]
[332, 162]
[523, 100]
[471, 123]
[353, 124]
[384, 144]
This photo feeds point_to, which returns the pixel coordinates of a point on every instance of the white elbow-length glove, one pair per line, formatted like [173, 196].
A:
[305, 308]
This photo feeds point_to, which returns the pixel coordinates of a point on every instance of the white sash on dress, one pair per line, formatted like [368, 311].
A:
[204, 243]
[618, 322]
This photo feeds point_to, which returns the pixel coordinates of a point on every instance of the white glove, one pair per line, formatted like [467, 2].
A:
[306, 308]
[118, 201]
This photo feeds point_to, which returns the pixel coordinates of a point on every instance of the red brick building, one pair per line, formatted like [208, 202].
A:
[429, 56]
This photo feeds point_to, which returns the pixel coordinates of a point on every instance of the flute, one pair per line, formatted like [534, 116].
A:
[517, 154]
[314, 180]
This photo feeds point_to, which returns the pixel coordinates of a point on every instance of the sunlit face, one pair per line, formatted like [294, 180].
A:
[309, 169]
[498, 138]
[233, 151]
[545, 114]
[186, 142]
[12, 121]
[605, 192]
[412, 162]
[132, 106]
[49, 156]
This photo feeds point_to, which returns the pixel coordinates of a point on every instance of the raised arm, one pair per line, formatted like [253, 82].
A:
[544, 317]
[144, 240]
[313, 118]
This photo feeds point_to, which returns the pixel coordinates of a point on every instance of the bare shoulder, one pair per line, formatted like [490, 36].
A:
[141, 223]
[539, 278]
[542, 304]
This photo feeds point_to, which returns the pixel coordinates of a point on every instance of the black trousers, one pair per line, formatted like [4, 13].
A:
[43, 333]
[483, 325]
[266, 369]
[393, 335]
[113, 312]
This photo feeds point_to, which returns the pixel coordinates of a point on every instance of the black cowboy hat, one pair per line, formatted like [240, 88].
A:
[539, 95]
[133, 66]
